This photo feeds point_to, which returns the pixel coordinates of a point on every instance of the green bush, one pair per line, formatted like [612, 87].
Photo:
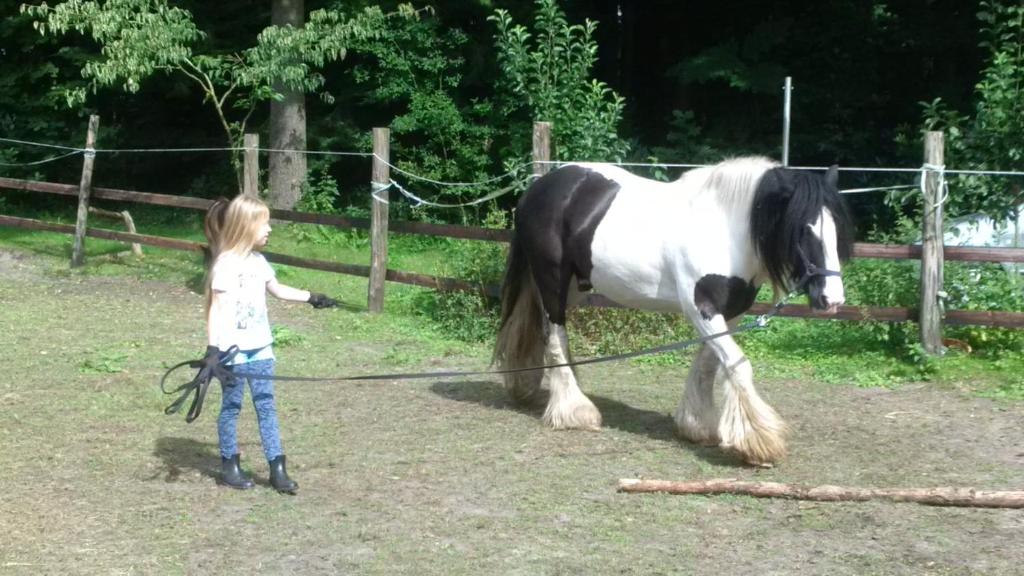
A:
[972, 286]
[604, 331]
[470, 316]
[320, 195]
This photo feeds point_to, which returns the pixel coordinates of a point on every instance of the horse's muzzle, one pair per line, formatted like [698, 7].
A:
[827, 296]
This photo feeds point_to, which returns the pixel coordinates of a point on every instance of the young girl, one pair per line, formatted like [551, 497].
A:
[236, 315]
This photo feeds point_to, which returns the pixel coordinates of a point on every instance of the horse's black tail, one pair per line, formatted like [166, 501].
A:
[520, 341]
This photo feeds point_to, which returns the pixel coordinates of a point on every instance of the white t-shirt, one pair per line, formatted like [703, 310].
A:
[241, 284]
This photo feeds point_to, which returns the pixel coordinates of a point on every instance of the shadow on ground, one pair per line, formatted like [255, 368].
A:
[181, 455]
[654, 425]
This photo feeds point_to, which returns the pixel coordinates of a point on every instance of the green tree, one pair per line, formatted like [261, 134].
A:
[991, 139]
[139, 38]
[549, 73]
[415, 70]
[31, 96]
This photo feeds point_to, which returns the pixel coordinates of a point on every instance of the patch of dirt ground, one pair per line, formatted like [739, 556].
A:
[447, 476]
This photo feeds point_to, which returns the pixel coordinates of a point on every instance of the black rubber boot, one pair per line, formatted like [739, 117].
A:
[279, 477]
[231, 474]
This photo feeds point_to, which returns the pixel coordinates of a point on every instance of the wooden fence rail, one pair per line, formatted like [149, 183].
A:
[853, 313]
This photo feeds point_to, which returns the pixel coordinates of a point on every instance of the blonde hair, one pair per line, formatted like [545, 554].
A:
[232, 228]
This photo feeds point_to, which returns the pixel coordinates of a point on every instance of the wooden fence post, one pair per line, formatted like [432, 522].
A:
[251, 178]
[129, 224]
[541, 148]
[931, 244]
[380, 179]
[84, 189]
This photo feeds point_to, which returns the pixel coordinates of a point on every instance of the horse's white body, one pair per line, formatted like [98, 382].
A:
[676, 232]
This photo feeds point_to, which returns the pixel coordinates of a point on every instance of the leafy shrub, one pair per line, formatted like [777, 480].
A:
[284, 336]
[416, 69]
[320, 196]
[548, 72]
[603, 331]
[991, 139]
[972, 286]
[470, 316]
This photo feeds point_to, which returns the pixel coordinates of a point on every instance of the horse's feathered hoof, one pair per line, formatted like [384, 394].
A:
[690, 428]
[582, 417]
[761, 451]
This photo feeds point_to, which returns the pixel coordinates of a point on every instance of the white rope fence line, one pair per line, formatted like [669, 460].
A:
[39, 144]
[421, 202]
[43, 161]
[376, 188]
[514, 172]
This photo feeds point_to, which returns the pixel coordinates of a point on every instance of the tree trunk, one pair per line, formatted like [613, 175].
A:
[287, 124]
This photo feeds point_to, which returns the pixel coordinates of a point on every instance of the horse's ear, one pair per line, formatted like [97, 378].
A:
[780, 179]
[832, 176]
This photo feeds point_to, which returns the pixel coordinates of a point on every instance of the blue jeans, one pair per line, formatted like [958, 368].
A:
[262, 398]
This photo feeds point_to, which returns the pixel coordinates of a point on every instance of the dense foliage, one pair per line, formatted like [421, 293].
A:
[460, 86]
[549, 72]
[460, 82]
[139, 38]
[991, 138]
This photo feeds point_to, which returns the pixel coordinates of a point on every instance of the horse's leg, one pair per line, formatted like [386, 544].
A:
[567, 406]
[747, 425]
[696, 417]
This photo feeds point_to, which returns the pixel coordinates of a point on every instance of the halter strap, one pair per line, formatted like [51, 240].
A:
[811, 269]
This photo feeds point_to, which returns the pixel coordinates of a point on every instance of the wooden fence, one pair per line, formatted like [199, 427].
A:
[380, 227]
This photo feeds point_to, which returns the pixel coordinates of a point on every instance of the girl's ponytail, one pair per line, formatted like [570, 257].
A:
[213, 224]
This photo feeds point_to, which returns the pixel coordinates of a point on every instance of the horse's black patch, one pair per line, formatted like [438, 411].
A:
[729, 296]
[555, 221]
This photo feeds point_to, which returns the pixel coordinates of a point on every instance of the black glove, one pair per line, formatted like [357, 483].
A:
[318, 301]
[210, 367]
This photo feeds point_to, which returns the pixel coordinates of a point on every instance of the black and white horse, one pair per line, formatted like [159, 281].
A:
[702, 245]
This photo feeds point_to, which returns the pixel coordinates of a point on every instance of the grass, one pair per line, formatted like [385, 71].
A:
[446, 476]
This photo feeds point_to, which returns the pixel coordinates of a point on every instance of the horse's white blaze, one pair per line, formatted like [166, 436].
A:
[825, 229]
[568, 407]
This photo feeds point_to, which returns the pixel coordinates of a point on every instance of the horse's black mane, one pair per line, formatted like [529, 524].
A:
[785, 202]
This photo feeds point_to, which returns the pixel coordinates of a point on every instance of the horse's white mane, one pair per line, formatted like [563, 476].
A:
[731, 182]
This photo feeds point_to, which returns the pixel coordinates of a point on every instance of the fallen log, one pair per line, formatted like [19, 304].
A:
[942, 496]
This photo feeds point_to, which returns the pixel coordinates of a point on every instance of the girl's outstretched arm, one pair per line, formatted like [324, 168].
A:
[284, 292]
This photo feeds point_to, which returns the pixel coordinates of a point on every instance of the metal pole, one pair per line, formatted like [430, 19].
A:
[788, 97]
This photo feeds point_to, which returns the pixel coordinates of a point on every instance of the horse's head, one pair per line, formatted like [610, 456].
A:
[802, 232]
